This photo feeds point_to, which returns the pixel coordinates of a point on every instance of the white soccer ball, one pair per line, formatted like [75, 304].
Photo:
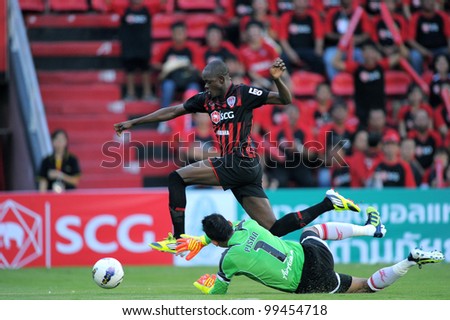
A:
[107, 273]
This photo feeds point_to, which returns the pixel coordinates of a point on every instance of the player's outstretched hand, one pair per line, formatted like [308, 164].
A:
[191, 244]
[121, 126]
[205, 283]
[277, 68]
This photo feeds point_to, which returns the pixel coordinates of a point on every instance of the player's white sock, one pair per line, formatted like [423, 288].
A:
[342, 230]
[387, 276]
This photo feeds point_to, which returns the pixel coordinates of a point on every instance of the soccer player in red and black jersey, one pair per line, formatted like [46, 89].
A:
[230, 108]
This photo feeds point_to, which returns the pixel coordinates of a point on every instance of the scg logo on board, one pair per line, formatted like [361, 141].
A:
[66, 227]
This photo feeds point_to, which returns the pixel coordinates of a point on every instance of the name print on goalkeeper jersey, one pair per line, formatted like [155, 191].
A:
[231, 116]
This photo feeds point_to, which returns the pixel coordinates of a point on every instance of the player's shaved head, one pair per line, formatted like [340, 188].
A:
[216, 68]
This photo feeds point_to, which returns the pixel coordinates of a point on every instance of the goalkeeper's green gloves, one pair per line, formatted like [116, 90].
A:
[193, 244]
[205, 283]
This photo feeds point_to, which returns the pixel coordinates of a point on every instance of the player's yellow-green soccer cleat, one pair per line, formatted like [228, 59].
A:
[422, 257]
[340, 203]
[169, 244]
[373, 218]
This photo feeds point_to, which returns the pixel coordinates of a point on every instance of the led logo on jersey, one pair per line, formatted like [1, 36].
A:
[255, 91]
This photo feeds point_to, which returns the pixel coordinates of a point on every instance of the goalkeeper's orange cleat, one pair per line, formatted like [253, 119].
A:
[205, 283]
[193, 244]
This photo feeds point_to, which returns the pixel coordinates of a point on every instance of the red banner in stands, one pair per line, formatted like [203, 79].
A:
[77, 229]
[3, 38]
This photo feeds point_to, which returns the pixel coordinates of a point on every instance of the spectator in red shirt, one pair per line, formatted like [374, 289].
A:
[261, 13]
[336, 24]
[441, 77]
[438, 175]
[235, 11]
[318, 109]
[337, 134]
[439, 82]
[301, 37]
[383, 36]
[429, 34]
[377, 123]
[416, 101]
[292, 140]
[368, 79]
[363, 159]
[340, 169]
[258, 56]
[179, 63]
[427, 140]
[236, 70]
[408, 153]
[216, 47]
[391, 171]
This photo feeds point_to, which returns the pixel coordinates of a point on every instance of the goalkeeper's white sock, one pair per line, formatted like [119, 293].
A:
[387, 276]
[342, 230]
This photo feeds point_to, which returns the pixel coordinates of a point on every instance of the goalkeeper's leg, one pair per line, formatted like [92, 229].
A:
[342, 230]
[385, 277]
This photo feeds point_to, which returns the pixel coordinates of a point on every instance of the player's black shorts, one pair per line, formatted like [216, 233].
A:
[133, 64]
[242, 175]
[318, 270]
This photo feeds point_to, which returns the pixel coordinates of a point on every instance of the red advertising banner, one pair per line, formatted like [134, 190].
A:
[77, 229]
[3, 38]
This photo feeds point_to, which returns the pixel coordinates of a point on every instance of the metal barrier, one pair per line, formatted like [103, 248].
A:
[29, 96]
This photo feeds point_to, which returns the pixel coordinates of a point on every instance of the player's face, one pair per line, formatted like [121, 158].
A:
[214, 84]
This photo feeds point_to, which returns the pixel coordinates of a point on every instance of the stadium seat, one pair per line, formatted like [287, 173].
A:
[32, 5]
[342, 84]
[68, 5]
[119, 6]
[304, 83]
[100, 6]
[396, 82]
[161, 24]
[197, 24]
[196, 5]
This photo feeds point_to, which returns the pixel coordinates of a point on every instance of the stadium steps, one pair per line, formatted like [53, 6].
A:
[82, 85]
[96, 26]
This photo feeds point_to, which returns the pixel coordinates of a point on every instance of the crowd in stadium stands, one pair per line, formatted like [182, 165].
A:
[365, 138]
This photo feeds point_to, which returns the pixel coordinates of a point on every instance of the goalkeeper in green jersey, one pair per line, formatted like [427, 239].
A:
[305, 267]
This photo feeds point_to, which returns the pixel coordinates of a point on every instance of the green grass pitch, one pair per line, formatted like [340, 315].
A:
[175, 283]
